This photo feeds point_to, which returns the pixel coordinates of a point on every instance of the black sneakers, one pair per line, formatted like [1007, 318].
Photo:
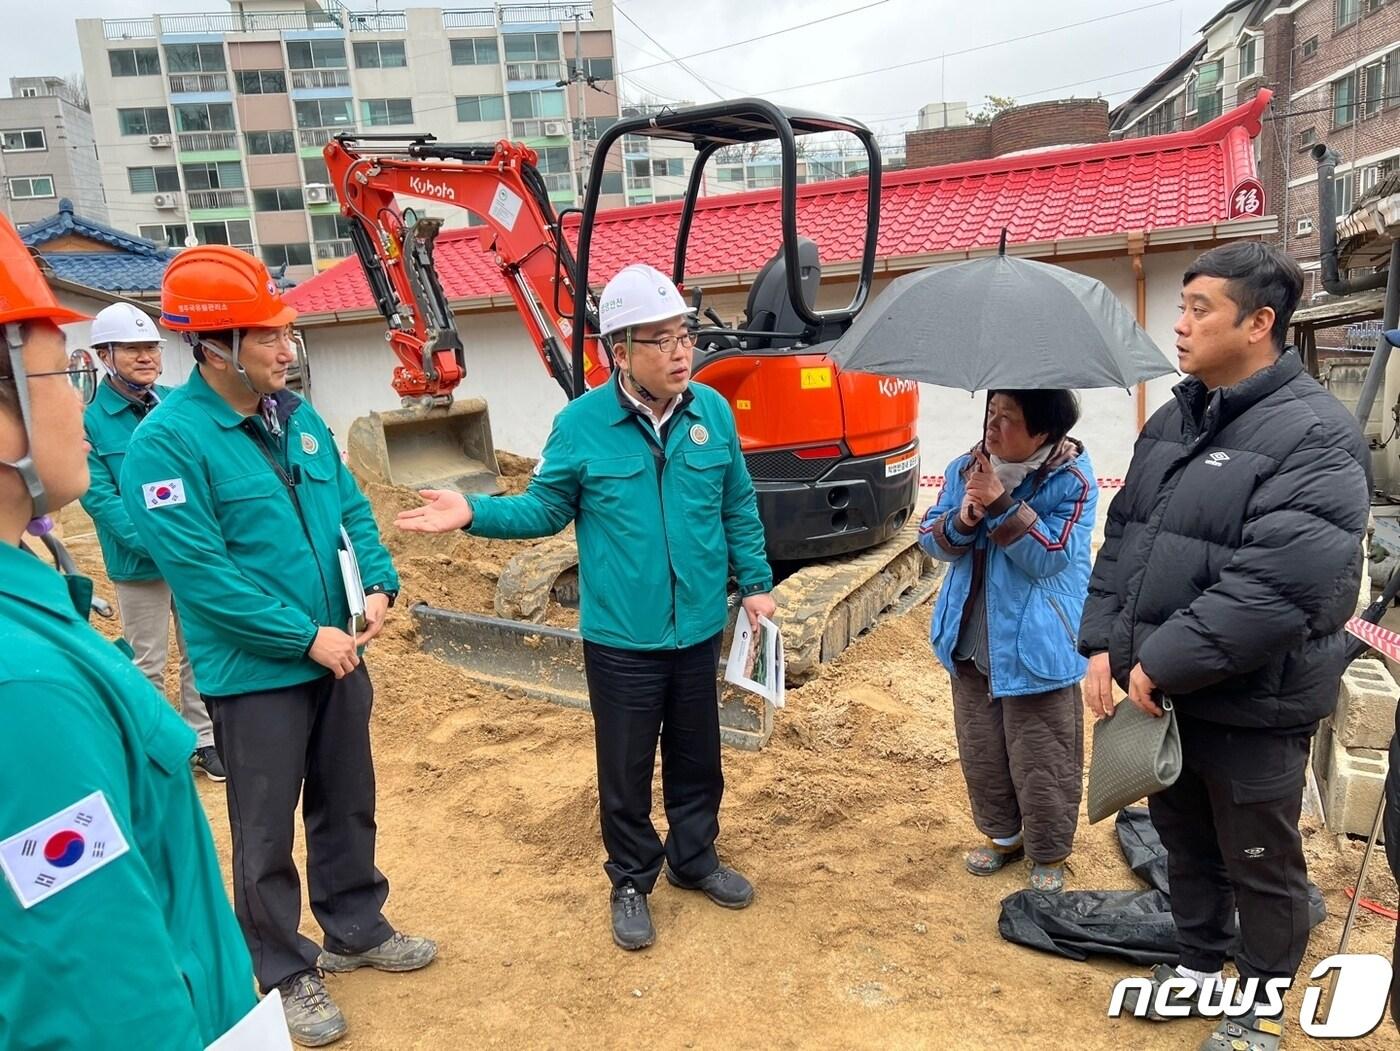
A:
[206, 760]
[631, 919]
[723, 886]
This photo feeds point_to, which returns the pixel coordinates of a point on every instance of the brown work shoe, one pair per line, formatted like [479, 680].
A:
[398, 952]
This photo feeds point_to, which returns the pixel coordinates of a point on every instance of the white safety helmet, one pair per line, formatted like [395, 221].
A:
[639, 295]
[124, 323]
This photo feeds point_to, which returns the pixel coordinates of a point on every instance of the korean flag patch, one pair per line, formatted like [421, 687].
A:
[164, 494]
[60, 850]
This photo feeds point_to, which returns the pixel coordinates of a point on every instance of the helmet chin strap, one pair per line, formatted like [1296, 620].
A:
[131, 385]
[25, 466]
[646, 394]
[267, 404]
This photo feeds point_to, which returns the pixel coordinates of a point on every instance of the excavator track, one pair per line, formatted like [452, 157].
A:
[822, 609]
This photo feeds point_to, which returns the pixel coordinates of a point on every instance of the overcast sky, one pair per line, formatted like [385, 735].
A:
[1111, 56]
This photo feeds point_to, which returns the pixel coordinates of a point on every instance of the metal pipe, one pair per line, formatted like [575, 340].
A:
[1135, 250]
[1332, 280]
[1380, 358]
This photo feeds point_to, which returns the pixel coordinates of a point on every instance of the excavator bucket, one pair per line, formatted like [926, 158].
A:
[427, 448]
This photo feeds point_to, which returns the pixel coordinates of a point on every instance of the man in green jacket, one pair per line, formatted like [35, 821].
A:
[129, 346]
[115, 930]
[649, 469]
[237, 490]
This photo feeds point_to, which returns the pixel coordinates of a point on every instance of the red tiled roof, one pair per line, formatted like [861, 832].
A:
[1146, 184]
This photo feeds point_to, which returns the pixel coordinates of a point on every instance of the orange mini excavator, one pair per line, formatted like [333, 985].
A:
[833, 455]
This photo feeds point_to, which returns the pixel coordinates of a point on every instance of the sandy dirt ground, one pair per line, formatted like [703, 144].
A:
[866, 931]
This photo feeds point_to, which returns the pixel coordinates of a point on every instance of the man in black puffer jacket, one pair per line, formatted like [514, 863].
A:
[1231, 561]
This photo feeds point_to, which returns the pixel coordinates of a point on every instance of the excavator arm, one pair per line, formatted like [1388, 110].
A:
[501, 186]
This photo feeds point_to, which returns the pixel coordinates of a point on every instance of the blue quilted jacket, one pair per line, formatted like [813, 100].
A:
[1036, 559]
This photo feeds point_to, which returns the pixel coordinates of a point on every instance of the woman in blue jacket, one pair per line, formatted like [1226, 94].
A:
[1014, 522]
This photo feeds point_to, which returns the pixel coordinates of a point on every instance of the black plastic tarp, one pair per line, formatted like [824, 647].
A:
[1132, 924]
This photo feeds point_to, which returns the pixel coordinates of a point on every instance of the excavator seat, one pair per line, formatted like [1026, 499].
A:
[769, 307]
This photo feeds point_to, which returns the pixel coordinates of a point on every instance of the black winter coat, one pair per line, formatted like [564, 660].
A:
[1232, 556]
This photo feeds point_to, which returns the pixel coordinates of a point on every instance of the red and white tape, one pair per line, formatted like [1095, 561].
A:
[934, 481]
[1375, 636]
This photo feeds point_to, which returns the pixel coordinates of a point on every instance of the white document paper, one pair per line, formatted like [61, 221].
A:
[264, 1028]
[354, 586]
[756, 659]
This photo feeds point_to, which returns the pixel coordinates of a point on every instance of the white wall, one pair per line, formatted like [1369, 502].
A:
[351, 366]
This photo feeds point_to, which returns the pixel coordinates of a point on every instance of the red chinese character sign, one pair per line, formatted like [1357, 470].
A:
[1247, 199]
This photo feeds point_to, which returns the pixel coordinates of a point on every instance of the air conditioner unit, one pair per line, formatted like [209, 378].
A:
[319, 193]
[556, 127]
[1305, 227]
[159, 142]
[166, 200]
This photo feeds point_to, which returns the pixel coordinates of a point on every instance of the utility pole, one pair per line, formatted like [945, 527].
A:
[577, 75]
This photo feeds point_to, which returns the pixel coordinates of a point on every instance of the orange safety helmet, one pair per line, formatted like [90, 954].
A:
[24, 294]
[210, 288]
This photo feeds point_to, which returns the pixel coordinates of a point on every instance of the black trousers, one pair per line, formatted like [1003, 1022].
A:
[311, 741]
[1392, 853]
[1230, 827]
[636, 696]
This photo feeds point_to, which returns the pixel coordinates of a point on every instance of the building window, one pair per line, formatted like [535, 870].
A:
[153, 180]
[146, 121]
[553, 159]
[316, 54]
[262, 82]
[1372, 6]
[236, 232]
[1392, 78]
[531, 47]
[527, 105]
[1373, 88]
[31, 188]
[380, 54]
[330, 228]
[263, 143]
[324, 113]
[670, 166]
[380, 112]
[1208, 107]
[475, 51]
[1309, 48]
[611, 183]
[1306, 138]
[204, 116]
[135, 62]
[223, 175]
[23, 140]
[594, 68]
[1348, 11]
[1341, 189]
[286, 255]
[1249, 57]
[279, 199]
[731, 174]
[595, 126]
[315, 171]
[166, 233]
[1344, 100]
[473, 109]
[195, 58]
[1162, 120]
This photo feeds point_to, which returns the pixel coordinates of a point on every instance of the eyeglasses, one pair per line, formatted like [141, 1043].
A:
[81, 373]
[668, 344]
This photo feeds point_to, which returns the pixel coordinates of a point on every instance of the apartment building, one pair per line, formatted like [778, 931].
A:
[47, 152]
[210, 126]
[658, 170]
[1334, 68]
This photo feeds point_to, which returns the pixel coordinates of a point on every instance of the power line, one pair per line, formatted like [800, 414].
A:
[766, 36]
[665, 51]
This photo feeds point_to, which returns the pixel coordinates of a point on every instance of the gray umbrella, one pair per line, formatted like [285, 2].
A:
[1001, 322]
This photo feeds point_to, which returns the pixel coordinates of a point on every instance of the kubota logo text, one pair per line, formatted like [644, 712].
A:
[424, 188]
[892, 387]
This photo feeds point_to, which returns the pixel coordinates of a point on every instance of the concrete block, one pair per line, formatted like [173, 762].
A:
[1352, 790]
[1365, 716]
